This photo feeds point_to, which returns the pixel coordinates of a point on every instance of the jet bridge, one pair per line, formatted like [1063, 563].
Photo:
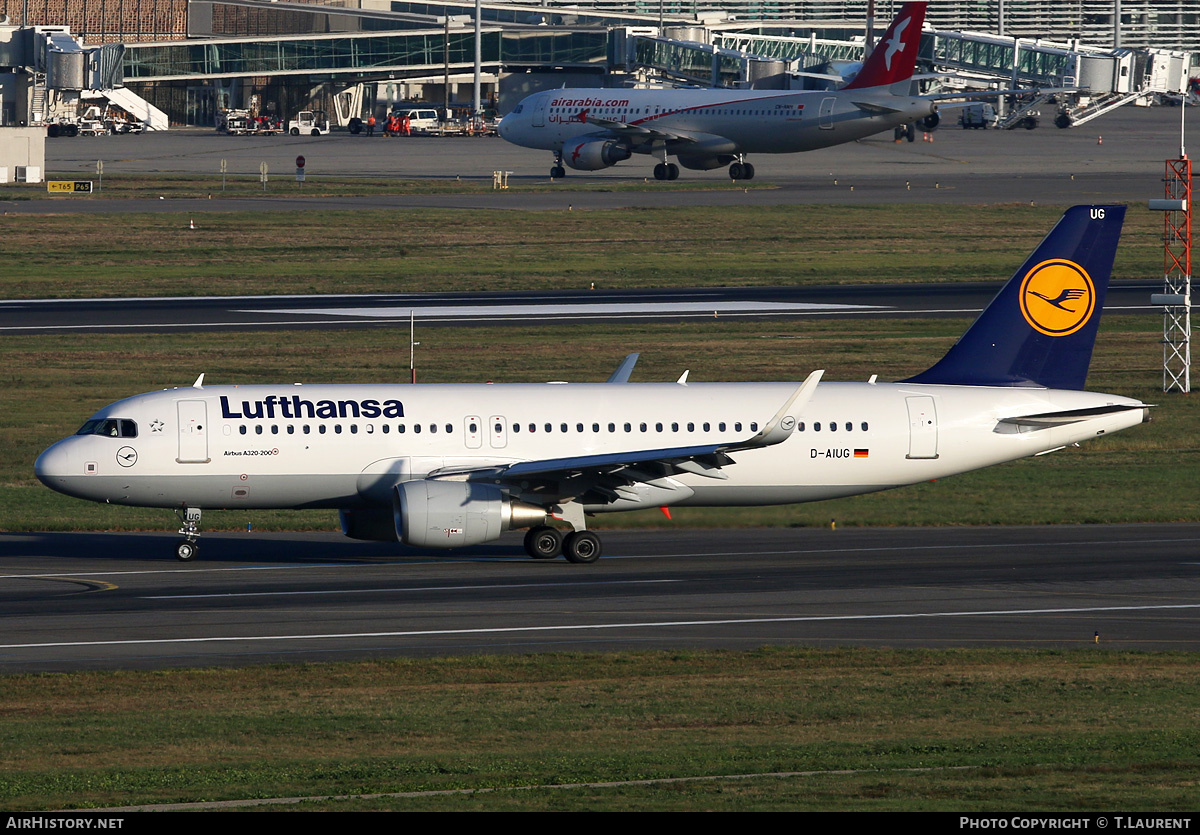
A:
[49, 70]
[1099, 80]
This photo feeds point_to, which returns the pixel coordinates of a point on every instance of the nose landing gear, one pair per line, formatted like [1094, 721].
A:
[189, 519]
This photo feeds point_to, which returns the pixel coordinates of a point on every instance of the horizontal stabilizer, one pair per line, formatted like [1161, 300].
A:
[1050, 420]
[877, 108]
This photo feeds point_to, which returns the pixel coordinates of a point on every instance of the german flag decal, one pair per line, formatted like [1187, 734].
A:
[861, 453]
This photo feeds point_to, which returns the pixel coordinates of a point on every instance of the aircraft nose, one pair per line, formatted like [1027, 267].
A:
[504, 128]
[59, 467]
[51, 464]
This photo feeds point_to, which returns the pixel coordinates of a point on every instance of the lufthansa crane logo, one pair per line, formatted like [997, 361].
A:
[1057, 297]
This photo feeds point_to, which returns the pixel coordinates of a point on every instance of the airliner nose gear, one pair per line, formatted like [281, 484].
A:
[189, 519]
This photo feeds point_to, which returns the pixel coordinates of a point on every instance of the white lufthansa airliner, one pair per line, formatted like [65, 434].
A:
[589, 129]
[446, 466]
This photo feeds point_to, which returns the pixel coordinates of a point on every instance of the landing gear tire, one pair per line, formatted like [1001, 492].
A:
[660, 171]
[1062, 120]
[543, 543]
[741, 171]
[581, 547]
[557, 172]
[186, 551]
[666, 171]
[910, 132]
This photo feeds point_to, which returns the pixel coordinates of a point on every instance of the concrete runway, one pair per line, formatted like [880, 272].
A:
[524, 309]
[107, 601]
[1119, 157]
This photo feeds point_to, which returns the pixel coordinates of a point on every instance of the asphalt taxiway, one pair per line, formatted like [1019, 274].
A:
[107, 601]
[1119, 157]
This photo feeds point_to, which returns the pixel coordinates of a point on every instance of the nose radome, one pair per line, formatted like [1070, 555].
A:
[51, 464]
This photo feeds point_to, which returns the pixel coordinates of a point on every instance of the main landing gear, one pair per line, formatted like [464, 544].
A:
[546, 543]
[741, 171]
[666, 171]
[189, 519]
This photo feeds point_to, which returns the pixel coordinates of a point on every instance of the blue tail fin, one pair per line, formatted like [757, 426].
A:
[1040, 329]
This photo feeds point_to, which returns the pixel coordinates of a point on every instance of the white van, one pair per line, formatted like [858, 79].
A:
[421, 119]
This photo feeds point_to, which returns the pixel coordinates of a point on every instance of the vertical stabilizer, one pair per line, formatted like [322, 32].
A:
[893, 59]
[1040, 329]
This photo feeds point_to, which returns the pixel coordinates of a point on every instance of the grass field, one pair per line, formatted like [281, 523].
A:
[245, 253]
[981, 730]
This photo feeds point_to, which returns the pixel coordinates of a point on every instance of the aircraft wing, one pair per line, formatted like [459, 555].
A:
[641, 133]
[606, 475]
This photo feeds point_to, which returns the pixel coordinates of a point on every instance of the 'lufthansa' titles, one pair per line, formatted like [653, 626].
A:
[272, 407]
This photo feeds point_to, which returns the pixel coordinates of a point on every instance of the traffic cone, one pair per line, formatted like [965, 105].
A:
[1099, 140]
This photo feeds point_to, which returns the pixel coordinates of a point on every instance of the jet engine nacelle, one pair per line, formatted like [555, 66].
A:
[451, 514]
[931, 121]
[595, 154]
[374, 524]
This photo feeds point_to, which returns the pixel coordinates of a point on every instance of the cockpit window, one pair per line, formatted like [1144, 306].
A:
[110, 427]
[518, 108]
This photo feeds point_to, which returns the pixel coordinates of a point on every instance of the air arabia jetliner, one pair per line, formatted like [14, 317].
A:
[590, 129]
[447, 466]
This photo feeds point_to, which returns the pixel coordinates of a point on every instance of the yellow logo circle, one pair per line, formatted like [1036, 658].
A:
[1057, 297]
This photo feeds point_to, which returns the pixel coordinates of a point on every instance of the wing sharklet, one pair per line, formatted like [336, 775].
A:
[777, 429]
[624, 370]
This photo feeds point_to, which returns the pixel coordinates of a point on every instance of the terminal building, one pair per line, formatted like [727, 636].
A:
[194, 59]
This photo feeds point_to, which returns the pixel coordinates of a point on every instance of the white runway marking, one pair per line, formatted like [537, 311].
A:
[521, 311]
[500, 630]
[411, 589]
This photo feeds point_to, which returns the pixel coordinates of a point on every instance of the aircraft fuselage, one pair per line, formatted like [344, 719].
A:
[722, 121]
[347, 446]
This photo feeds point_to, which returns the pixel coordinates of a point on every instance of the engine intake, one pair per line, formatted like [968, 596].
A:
[451, 514]
[595, 154]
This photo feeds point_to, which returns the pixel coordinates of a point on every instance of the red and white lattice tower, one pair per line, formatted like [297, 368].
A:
[1177, 276]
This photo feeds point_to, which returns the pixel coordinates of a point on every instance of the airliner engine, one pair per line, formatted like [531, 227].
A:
[595, 154]
[450, 514]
